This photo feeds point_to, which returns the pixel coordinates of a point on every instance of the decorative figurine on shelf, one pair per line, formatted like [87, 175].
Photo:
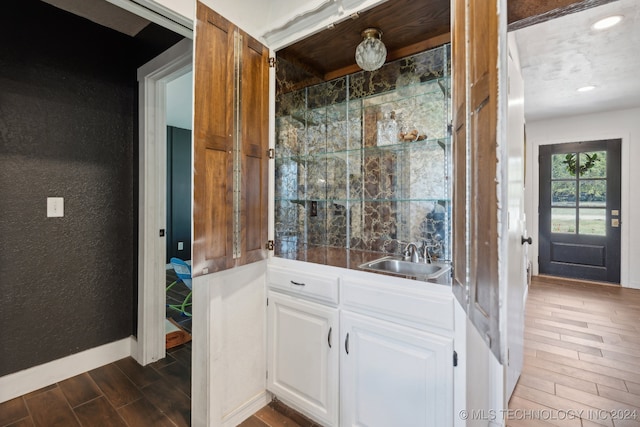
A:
[387, 129]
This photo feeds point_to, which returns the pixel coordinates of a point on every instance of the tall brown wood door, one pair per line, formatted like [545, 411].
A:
[230, 145]
[475, 219]
[459, 96]
[255, 142]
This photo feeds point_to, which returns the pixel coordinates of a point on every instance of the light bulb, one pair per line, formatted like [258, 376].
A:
[371, 53]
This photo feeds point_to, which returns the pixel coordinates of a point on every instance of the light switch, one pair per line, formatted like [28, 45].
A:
[55, 207]
[180, 246]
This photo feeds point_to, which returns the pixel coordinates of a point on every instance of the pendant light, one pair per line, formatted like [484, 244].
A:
[371, 52]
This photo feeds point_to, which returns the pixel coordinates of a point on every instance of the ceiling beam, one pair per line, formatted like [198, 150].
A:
[523, 13]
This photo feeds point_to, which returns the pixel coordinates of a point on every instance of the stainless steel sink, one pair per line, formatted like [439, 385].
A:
[396, 265]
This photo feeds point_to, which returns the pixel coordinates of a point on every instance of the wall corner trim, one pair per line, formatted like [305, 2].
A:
[37, 377]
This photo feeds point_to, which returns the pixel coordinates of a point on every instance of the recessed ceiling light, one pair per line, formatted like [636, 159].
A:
[607, 22]
[586, 88]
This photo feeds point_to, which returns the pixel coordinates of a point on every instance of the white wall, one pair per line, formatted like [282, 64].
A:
[485, 404]
[180, 101]
[229, 346]
[624, 124]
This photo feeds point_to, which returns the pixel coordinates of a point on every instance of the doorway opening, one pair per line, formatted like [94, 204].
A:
[153, 79]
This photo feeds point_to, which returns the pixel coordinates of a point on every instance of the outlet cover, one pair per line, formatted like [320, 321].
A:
[55, 207]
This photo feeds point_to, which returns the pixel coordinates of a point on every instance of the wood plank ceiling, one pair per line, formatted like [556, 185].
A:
[408, 27]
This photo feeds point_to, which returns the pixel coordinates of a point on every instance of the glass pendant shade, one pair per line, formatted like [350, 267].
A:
[371, 52]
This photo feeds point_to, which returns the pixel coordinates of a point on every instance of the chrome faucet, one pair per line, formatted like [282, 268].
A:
[426, 245]
[426, 254]
[413, 254]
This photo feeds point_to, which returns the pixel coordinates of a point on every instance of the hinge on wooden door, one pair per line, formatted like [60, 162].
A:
[271, 153]
[455, 358]
[270, 245]
[272, 62]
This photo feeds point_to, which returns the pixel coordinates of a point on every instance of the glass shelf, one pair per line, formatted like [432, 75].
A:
[342, 182]
[345, 201]
[443, 143]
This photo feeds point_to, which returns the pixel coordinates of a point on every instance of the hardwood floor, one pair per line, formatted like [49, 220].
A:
[277, 414]
[582, 356]
[581, 368]
[118, 394]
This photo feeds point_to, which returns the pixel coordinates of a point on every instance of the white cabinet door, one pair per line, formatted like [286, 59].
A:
[391, 375]
[303, 341]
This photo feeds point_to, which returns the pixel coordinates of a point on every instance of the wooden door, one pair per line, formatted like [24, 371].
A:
[459, 96]
[230, 145]
[213, 143]
[255, 142]
[475, 201]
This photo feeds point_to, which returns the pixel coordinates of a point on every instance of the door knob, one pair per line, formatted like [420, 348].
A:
[527, 240]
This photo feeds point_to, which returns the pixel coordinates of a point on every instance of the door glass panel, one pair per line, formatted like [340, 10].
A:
[593, 193]
[563, 220]
[563, 193]
[562, 165]
[593, 222]
[593, 164]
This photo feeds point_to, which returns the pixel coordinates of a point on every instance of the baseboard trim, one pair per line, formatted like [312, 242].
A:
[37, 377]
[243, 412]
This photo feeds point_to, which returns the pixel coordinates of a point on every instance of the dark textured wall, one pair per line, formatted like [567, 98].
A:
[67, 129]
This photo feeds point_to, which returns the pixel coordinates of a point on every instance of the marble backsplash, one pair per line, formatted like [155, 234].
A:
[337, 186]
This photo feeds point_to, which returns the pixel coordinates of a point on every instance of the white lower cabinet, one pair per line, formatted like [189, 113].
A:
[392, 375]
[348, 351]
[303, 343]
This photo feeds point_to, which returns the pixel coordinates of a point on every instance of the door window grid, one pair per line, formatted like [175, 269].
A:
[578, 193]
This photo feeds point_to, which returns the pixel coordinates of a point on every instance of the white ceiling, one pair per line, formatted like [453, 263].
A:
[557, 57]
[103, 13]
[561, 55]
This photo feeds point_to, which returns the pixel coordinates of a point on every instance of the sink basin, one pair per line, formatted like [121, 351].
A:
[397, 265]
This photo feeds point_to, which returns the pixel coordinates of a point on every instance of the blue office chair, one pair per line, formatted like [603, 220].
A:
[183, 271]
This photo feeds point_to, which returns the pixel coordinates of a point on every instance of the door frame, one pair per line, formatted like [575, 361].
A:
[534, 181]
[152, 198]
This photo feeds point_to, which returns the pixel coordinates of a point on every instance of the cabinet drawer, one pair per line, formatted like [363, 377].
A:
[307, 285]
[397, 303]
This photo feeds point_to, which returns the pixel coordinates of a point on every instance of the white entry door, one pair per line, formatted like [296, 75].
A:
[517, 243]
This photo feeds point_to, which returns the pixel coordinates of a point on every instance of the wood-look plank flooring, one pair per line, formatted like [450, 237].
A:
[122, 394]
[276, 414]
[581, 356]
[119, 394]
[581, 368]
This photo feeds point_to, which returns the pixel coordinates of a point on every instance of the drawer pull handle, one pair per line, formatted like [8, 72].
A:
[346, 344]
[297, 284]
[329, 337]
